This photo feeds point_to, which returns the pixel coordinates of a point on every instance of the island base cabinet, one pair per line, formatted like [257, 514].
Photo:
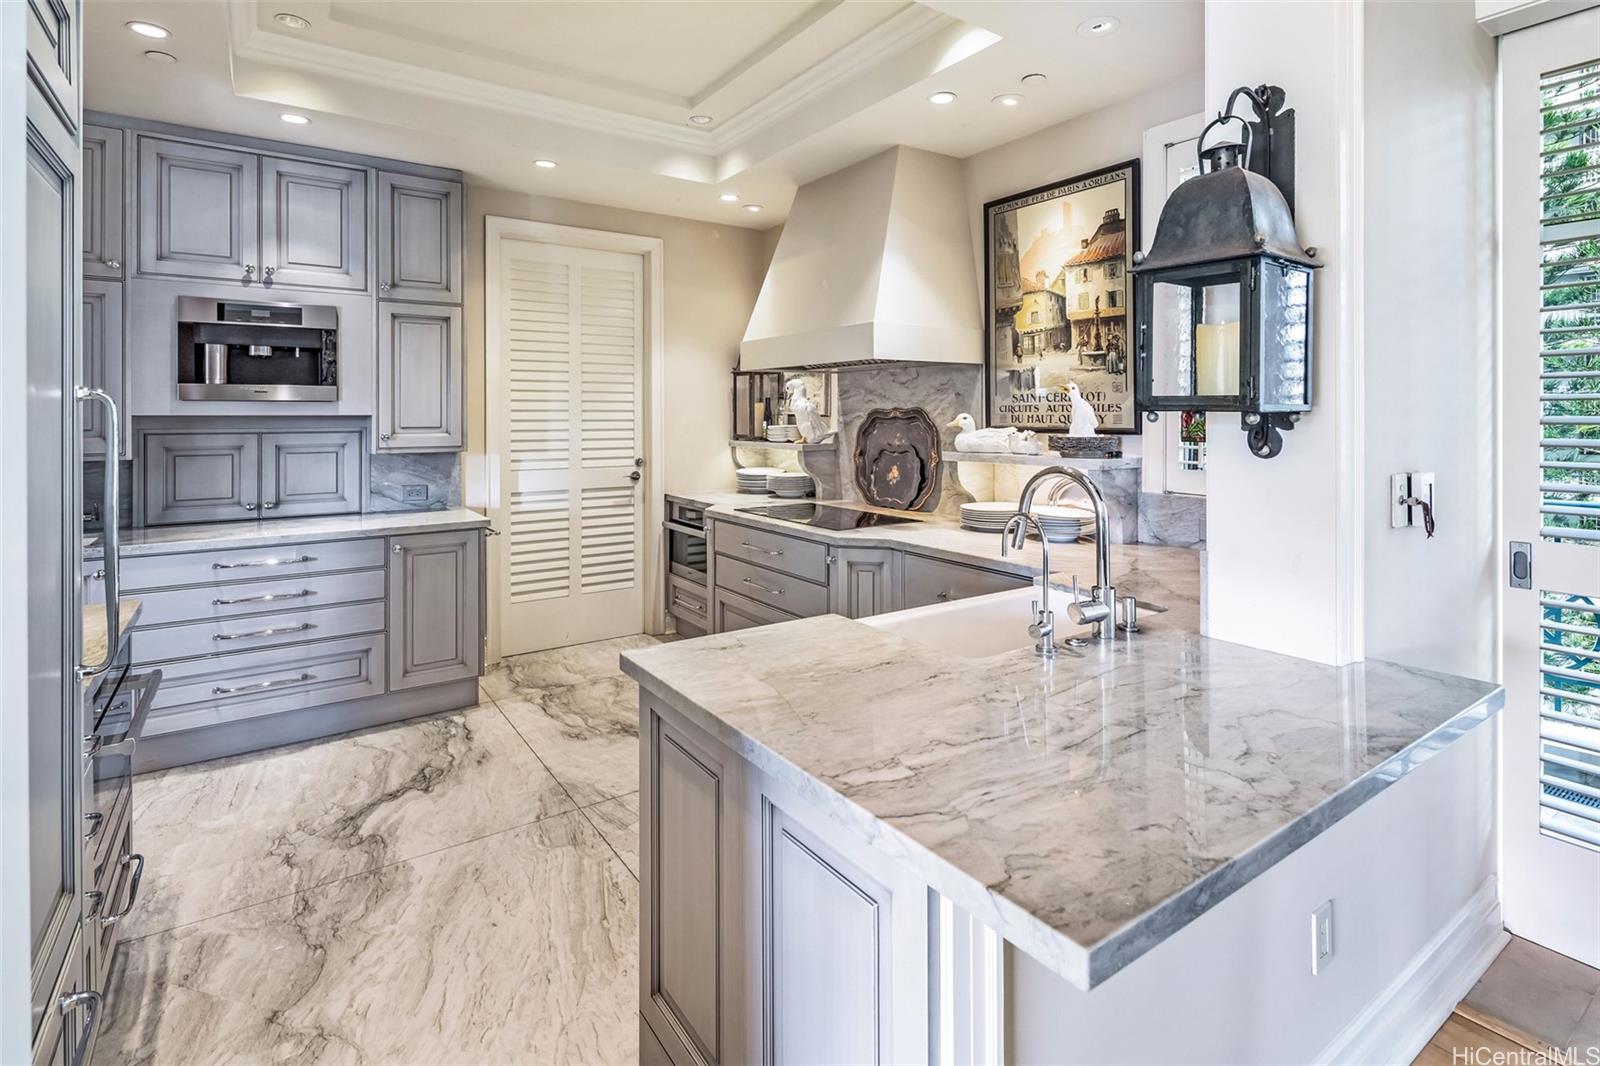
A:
[767, 935]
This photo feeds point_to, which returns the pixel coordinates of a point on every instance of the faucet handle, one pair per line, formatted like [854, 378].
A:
[1087, 612]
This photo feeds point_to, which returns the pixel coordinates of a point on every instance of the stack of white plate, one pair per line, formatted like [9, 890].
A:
[790, 484]
[754, 478]
[782, 433]
[1060, 523]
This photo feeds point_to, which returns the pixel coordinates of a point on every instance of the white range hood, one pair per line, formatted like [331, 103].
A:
[874, 263]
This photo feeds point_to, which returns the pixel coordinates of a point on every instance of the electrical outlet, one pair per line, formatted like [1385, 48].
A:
[414, 493]
[1321, 937]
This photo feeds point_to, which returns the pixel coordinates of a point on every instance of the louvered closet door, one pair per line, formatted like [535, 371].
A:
[572, 509]
[1550, 78]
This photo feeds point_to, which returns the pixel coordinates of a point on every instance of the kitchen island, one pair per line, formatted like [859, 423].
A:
[985, 858]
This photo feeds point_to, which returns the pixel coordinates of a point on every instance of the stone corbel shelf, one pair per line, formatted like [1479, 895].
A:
[1047, 459]
[785, 446]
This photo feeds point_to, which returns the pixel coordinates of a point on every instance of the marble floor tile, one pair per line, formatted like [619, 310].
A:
[515, 948]
[618, 821]
[234, 832]
[1538, 991]
[587, 734]
[541, 670]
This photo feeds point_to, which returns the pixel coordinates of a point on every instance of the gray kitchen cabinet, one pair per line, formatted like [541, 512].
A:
[313, 224]
[788, 594]
[731, 611]
[54, 51]
[200, 477]
[420, 378]
[865, 582]
[102, 362]
[102, 202]
[305, 474]
[927, 581]
[435, 627]
[198, 211]
[419, 239]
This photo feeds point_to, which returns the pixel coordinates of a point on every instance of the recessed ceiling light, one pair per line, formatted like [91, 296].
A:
[293, 21]
[752, 207]
[545, 164]
[700, 120]
[150, 29]
[160, 57]
[1098, 26]
[943, 96]
[1033, 79]
[729, 197]
[1009, 99]
[294, 120]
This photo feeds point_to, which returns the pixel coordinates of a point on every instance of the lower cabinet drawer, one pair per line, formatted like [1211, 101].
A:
[928, 581]
[685, 599]
[248, 564]
[807, 559]
[788, 594]
[731, 611]
[229, 688]
[214, 602]
[255, 631]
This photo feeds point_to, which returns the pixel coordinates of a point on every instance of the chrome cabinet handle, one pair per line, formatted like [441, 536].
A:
[763, 588]
[249, 271]
[71, 1002]
[94, 899]
[269, 598]
[258, 686]
[264, 562]
[383, 287]
[110, 530]
[678, 601]
[96, 821]
[942, 596]
[763, 551]
[383, 436]
[270, 506]
[270, 632]
[271, 271]
[112, 263]
[133, 890]
[248, 506]
[396, 550]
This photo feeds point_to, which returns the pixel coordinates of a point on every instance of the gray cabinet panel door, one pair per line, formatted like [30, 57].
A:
[102, 360]
[420, 393]
[102, 202]
[200, 477]
[313, 224]
[419, 239]
[731, 611]
[53, 50]
[866, 581]
[927, 581]
[434, 597]
[310, 474]
[198, 211]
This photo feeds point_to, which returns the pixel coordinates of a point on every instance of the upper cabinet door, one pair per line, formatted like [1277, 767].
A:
[198, 211]
[102, 203]
[419, 239]
[313, 224]
[306, 474]
[102, 361]
[420, 398]
[53, 38]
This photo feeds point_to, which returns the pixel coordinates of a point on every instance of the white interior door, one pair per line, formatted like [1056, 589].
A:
[570, 502]
[1550, 138]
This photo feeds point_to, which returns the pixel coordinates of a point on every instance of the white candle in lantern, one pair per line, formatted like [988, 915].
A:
[1216, 351]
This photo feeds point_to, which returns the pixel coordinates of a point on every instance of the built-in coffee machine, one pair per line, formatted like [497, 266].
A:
[239, 350]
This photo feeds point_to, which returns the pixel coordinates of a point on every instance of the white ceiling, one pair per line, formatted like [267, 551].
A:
[795, 88]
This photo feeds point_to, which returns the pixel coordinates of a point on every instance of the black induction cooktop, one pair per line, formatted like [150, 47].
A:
[826, 517]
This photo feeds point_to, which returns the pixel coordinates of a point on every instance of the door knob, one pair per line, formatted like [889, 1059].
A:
[634, 475]
[639, 461]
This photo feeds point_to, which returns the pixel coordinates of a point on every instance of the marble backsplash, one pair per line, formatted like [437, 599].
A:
[439, 474]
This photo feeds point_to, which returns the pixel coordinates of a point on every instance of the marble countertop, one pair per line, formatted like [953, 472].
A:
[1086, 809]
[94, 629]
[159, 540]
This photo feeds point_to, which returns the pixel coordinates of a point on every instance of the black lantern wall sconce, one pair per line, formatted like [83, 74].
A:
[1223, 309]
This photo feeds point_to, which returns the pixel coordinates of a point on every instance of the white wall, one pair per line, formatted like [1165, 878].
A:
[712, 276]
[1099, 139]
[1430, 327]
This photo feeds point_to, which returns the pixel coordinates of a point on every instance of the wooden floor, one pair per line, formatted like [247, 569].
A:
[1461, 1041]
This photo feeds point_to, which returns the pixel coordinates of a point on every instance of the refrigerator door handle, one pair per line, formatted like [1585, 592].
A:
[110, 523]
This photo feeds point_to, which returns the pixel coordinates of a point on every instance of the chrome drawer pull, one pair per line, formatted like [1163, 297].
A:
[96, 821]
[273, 632]
[133, 890]
[756, 548]
[264, 562]
[71, 1002]
[271, 598]
[258, 686]
[678, 601]
[763, 588]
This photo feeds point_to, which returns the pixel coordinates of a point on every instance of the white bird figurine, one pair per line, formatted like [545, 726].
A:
[1026, 442]
[810, 424]
[1084, 421]
[972, 439]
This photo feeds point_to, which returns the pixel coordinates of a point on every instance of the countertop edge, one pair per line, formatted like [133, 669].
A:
[341, 527]
[1084, 967]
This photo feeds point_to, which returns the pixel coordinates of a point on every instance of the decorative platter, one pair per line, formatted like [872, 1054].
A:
[897, 459]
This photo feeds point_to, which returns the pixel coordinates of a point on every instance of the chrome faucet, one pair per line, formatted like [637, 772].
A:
[1043, 629]
[1100, 610]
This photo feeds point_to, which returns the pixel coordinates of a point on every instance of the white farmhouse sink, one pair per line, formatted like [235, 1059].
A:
[975, 628]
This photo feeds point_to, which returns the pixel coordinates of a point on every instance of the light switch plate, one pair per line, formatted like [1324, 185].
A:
[1321, 937]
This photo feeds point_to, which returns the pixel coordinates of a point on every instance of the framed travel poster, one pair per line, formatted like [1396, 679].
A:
[1056, 301]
